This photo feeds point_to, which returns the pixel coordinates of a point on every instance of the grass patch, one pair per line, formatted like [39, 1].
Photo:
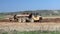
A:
[2, 16]
[33, 32]
[30, 32]
[5, 33]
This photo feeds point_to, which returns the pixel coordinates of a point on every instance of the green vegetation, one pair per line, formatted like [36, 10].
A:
[5, 33]
[2, 16]
[32, 32]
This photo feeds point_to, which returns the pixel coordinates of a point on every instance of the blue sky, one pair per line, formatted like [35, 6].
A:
[22, 5]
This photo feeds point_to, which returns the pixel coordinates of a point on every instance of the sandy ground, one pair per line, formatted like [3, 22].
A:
[47, 24]
[29, 26]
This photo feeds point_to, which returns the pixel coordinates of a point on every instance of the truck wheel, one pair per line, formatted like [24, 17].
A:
[10, 20]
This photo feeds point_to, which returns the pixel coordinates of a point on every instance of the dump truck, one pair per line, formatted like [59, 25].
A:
[26, 18]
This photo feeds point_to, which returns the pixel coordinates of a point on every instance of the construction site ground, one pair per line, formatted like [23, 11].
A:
[45, 19]
[47, 24]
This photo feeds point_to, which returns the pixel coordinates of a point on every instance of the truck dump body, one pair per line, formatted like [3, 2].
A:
[20, 16]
